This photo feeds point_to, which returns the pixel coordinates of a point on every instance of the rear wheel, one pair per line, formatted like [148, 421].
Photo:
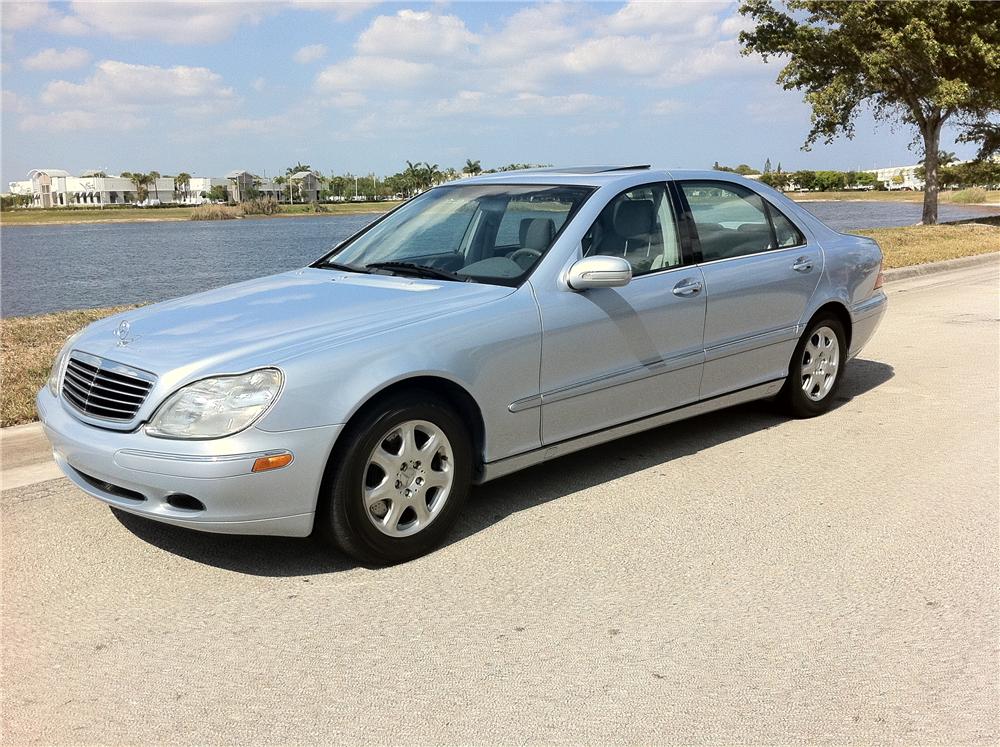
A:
[816, 369]
[398, 483]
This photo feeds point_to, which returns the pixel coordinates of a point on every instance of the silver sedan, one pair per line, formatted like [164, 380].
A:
[483, 327]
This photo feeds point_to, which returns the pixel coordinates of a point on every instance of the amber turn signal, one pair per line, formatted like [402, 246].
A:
[275, 461]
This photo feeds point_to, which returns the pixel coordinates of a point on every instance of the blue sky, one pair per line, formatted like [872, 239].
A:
[211, 87]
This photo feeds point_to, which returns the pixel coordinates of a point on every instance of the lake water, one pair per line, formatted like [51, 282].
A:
[53, 268]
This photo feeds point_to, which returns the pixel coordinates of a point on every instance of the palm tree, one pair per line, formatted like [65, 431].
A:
[281, 181]
[945, 158]
[472, 167]
[140, 181]
[152, 176]
[181, 183]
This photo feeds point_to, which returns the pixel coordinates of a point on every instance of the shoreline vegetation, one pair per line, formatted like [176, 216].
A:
[77, 215]
[971, 196]
[74, 215]
[29, 343]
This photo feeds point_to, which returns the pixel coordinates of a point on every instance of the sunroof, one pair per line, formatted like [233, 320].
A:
[590, 169]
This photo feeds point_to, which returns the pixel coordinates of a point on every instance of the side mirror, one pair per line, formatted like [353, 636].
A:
[599, 272]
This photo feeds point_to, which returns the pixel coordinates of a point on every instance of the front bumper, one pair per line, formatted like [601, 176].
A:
[138, 473]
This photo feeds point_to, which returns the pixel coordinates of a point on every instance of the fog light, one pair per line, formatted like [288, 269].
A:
[274, 461]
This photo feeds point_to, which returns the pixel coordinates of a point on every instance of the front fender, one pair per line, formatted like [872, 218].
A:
[492, 351]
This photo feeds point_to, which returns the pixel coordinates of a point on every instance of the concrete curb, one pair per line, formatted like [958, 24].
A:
[978, 260]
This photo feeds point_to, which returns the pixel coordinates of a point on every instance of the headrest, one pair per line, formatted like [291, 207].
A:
[538, 233]
[634, 218]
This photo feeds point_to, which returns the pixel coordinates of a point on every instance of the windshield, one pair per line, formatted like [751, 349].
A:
[492, 233]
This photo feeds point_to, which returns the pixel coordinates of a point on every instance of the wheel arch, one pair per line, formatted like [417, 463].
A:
[450, 391]
[839, 312]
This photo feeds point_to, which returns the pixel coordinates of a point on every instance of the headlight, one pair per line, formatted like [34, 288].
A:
[59, 364]
[212, 408]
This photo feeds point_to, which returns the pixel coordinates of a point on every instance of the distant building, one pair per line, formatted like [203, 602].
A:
[58, 188]
[305, 186]
[899, 177]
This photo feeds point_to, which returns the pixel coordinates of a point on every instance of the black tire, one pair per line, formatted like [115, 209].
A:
[341, 516]
[792, 396]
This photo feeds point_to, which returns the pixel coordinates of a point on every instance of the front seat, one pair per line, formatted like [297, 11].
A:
[630, 234]
[536, 233]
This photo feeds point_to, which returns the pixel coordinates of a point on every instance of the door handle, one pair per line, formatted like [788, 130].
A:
[687, 288]
[802, 264]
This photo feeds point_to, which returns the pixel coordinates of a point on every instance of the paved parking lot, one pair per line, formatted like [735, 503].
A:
[736, 578]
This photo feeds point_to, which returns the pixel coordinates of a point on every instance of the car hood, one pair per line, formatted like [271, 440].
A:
[263, 321]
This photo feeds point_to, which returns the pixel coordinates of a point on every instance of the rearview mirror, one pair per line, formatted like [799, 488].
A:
[599, 272]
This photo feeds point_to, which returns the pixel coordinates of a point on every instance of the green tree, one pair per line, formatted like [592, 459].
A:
[182, 182]
[153, 176]
[767, 166]
[804, 180]
[141, 182]
[218, 193]
[472, 167]
[920, 61]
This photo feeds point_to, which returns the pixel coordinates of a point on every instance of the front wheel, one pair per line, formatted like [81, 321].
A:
[816, 369]
[398, 483]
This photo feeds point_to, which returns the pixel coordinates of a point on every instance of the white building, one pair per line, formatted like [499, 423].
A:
[58, 188]
[899, 177]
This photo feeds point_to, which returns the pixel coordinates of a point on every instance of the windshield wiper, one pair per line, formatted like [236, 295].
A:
[418, 270]
[342, 268]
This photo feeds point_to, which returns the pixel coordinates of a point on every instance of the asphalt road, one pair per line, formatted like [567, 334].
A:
[736, 578]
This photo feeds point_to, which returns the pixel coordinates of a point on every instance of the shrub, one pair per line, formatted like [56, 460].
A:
[215, 212]
[259, 206]
[973, 195]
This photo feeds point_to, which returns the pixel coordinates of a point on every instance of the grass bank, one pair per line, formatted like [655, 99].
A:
[952, 197]
[53, 216]
[918, 245]
[28, 344]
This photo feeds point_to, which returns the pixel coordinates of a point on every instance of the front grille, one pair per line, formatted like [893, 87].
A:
[103, 389]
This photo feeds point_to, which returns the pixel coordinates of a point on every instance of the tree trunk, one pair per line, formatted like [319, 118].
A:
[932, 185]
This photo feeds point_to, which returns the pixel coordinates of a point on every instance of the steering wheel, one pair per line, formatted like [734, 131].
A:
[533, 253]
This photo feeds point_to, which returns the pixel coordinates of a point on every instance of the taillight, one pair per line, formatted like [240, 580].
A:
[880, 278]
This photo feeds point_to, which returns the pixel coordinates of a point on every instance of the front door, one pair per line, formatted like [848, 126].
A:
[760, 272]
[611, 355]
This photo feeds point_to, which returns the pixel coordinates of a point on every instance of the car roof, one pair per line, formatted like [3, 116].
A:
[597, 176]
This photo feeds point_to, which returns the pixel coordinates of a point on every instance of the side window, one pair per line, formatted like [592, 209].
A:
[784, 230]
[731, 220]
[638, 225]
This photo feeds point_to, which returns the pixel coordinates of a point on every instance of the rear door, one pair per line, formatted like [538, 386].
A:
[760, 271]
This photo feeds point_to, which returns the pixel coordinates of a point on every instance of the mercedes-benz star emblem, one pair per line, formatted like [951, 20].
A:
[122, 332]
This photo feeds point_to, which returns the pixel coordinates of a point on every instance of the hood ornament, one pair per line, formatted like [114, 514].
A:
[122, 332]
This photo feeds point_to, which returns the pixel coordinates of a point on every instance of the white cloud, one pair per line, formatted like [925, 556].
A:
[464, 102]
[73, 120]
[735, 24]
[666, 107]
[258, 84]
[310, 53]
[178, 22]
[417, 35]
[574, 103]
[21, 15]
[642, 16]
[53, 59]
[365, 73]
[120, 83]
[10, 102]
[343, 10]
